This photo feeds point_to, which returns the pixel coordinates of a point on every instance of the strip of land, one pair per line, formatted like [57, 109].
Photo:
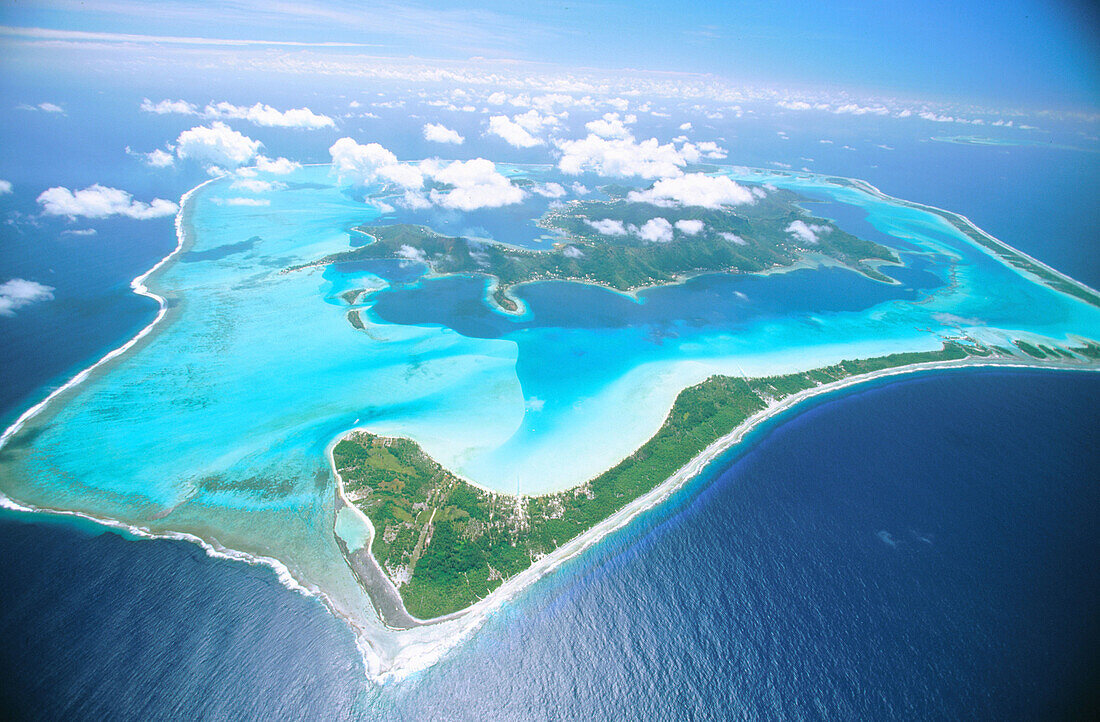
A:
[445, 543]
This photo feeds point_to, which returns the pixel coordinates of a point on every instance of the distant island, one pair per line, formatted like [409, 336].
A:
[626, 245]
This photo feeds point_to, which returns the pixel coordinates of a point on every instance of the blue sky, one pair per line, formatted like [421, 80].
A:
[1015, 51]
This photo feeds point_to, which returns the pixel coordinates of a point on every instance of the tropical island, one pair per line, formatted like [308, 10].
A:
[446, 543]
[626, 244]
[442, 541]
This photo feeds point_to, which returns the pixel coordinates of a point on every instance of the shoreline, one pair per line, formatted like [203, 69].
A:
[138, 287]
[413, 655]
[653, 498]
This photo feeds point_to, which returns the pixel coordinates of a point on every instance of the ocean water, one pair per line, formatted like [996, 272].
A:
[216, 425]
[921, 549]
[100, 624]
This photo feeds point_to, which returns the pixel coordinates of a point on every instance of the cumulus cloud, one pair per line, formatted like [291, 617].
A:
[276, 166]
[710, 149]
[685, 126]
[5, 187]
[474, 184]
[158, 158]
[409, 253]
[216, 145]
[807, 233]
[101, 202]
[655, 230]
[734, 238]
[549, 190]
[439, 133]
[572, 252]
[19, 292]
[512, 132]
[611, 126]
[608, 227]
[695, 189]
[267, 116]
[690, 227]
[166, 107]
[259, 114]
[466, 185]
[371, 163]
[624, 157]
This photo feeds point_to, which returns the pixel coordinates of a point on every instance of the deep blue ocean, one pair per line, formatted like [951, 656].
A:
[919, 549]
[923, 549]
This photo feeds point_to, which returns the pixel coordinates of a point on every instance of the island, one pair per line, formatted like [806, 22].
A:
[442, 541]
[626, 245]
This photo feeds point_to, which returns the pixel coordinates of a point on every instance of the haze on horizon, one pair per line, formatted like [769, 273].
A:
[944, 51]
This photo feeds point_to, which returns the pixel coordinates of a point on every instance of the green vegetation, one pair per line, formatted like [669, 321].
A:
[355, 320]
[753, 238]
[451, 543]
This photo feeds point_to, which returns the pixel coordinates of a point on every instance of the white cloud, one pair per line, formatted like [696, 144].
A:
[371, 163]
[101, 202]
[794, 104]
[475, 184]
[690, 227]
[734, 238]
[158, 158]
[685, 126]
[512, 132]
[277, 166]
[624, 157]
[410, 253]
[259, 114]
[216, 145]
[806, 233]
[414, 200]
[710, 149]
[655, 230]
[611, 126]
[165, 107]
[439, 133]
[855, 109]
[580, 189]
[549, 190]
[5, 187]
[79, 232]
[19, 292]
[608, 227]
[264, 115]
[694, 189]
[44, 107]
[572, 252]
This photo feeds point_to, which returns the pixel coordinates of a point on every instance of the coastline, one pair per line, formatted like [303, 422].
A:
[415, 654]
[651, 499]
[138, 287]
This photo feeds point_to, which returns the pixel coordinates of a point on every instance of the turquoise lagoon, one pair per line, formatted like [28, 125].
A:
[217, 423]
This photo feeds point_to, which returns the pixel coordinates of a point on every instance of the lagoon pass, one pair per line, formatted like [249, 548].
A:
[217, 423]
